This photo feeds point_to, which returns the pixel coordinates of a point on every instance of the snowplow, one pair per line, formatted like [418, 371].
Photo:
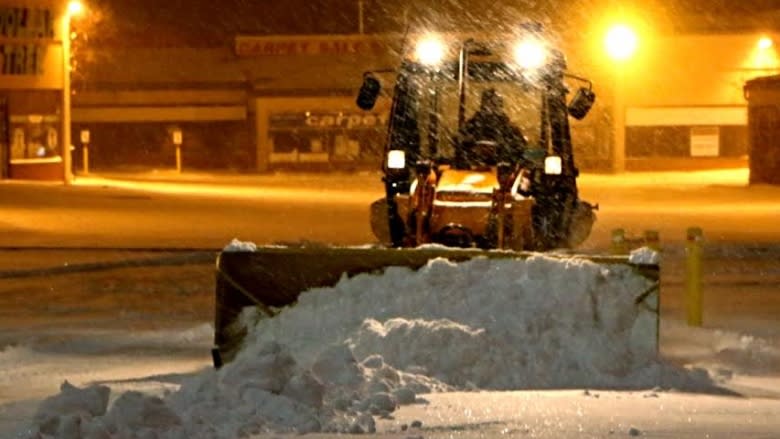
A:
[454, 189]
[506, 178]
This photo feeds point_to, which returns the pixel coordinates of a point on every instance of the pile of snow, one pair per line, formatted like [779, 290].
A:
[488, 324]
[237, 246]
[346, 354]
[644, 256]
[721, 351]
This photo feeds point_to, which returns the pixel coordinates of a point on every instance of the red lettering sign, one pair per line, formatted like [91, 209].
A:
[21, 59]
[264, 46]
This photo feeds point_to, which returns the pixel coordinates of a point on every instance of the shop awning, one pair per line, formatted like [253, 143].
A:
[685, 116]
[160, 114]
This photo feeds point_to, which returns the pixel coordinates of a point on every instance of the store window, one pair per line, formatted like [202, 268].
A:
[4, 137]
[326, 137]
[34, 137]
[686, 141]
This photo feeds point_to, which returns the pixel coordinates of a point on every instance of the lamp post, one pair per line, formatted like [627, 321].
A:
[621, 43]
[361, 28]
[74, 8]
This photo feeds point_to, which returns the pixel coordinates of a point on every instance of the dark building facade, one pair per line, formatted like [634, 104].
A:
[32, 98]
[253, 87]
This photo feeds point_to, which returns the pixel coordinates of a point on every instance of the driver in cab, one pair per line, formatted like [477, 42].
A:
[489, 137]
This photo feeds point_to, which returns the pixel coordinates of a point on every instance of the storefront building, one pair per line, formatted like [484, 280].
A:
[684, 102]
[287, 102]
[131, 129]
[304, 91]
[268, 103]
[316, 133]
[32, 136]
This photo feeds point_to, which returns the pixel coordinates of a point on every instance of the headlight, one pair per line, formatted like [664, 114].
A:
[396, 159]
[530, 54]
[552, 165]
[430, 51]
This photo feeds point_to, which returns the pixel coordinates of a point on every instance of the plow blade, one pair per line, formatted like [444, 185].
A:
[271, 278]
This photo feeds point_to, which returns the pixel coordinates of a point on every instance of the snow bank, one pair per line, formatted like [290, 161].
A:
[60, 414]
[724, 352]
[357, 350]
[489, 324]
[237, 246]
[644, 256]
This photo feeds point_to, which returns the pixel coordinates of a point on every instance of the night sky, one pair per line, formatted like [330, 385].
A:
[204, 23]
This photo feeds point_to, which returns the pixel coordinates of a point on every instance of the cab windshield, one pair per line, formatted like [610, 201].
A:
[425, 116]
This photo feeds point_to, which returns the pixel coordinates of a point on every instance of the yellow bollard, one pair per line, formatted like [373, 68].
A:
[693, 294]
[85, 158]
[619, 244]
[653, 240]
[178, 159]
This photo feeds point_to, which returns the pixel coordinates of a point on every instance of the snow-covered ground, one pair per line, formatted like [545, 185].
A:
[147, 329]
[544, 414]
[362, 358]
[146, 212]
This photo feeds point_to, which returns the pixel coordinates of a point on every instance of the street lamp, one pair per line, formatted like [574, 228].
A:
[620, 42]
[73, 9]
[765, 43]
[764, 56]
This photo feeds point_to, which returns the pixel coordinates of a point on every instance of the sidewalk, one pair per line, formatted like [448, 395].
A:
[304, 180]
[316, 188]
[373, 179]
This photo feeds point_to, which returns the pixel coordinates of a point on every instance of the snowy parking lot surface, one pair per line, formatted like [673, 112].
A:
[147, 328]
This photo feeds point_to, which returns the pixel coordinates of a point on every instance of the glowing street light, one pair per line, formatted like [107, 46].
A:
[621, 42]
[765, 43]
[764, 56]
[75, 7]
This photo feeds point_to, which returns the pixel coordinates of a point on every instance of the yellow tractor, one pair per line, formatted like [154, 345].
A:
[450, 181]
[465, 183]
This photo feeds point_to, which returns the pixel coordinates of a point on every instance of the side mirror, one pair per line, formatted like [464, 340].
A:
[369, 92]
[582, 102]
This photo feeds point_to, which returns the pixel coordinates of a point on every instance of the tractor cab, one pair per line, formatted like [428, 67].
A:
[480, 112]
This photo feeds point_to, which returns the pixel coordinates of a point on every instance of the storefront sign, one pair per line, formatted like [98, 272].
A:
[28, 31]
[328, 120]
[346, 121]
[177, 137]
[705, 141]
[21, 59]
[309, 46]
[21, 22]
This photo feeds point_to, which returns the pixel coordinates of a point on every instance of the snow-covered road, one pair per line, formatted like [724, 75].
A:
[208, 212]
[148, 328]
[120, 342]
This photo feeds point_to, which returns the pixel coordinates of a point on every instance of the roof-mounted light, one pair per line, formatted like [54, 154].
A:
[530, 54]
[430, 51]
